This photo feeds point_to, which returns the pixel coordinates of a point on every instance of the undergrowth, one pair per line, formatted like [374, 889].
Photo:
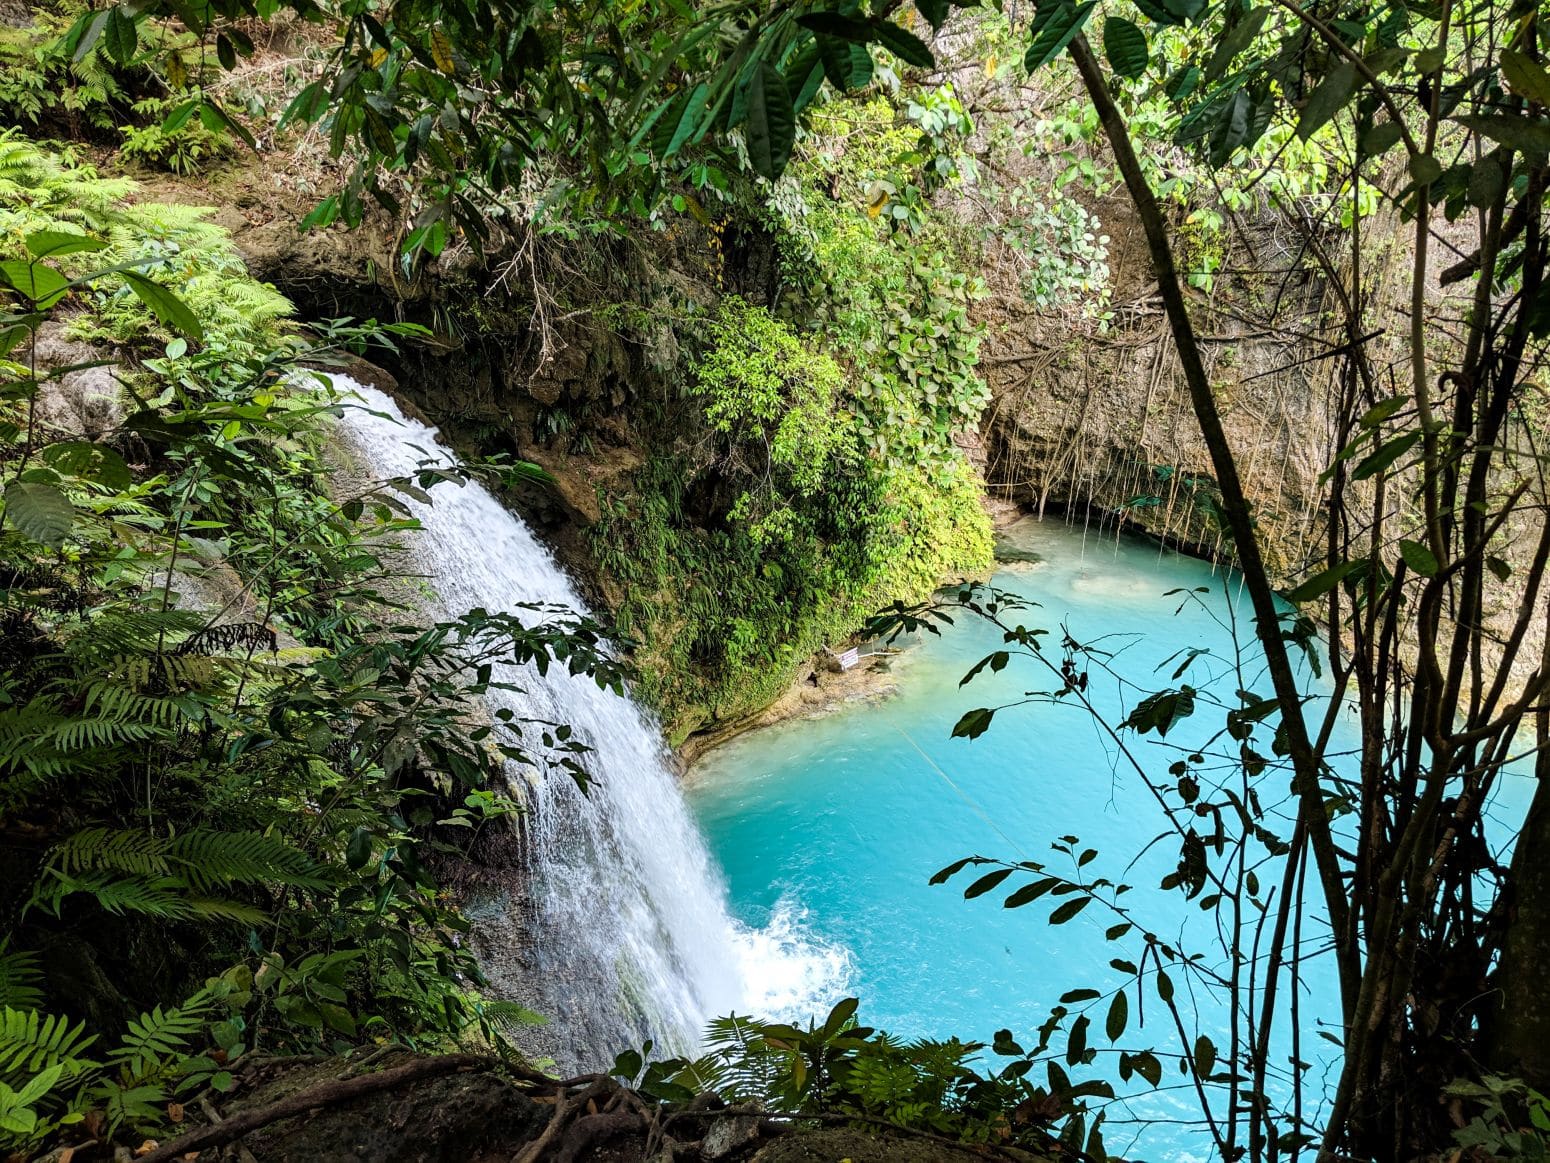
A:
[824, 479]
[229, 759]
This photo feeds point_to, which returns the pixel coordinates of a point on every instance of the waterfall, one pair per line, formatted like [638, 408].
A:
[620, 932]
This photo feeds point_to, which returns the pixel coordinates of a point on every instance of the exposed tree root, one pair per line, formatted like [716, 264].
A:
[327, 1094]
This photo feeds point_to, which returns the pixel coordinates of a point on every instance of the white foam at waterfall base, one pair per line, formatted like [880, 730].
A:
[623, 921]
[791, 974]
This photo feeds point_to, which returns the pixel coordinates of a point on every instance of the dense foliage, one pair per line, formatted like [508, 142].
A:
[229, 755]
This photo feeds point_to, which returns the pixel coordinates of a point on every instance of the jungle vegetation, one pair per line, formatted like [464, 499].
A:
[254, 825]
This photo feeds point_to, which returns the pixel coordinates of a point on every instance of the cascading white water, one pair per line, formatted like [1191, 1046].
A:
[624, 929]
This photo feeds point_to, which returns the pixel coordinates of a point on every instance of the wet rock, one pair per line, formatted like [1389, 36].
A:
[729, 1133]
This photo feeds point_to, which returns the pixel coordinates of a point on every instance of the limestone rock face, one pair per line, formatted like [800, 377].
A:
[86, 402]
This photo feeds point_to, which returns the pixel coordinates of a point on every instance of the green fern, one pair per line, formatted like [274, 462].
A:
[157, 1037]
[104, 849]
[209, 859]
[129, 871]
[19, 978]
[165, 898]
[31, 1042]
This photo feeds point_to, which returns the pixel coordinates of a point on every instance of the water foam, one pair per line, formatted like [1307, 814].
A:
[790, 973]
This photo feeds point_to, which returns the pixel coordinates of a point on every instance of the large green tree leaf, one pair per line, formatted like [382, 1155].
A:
[1055, 26]
[771, 122]
[1331, 96]
[40, 511]
[1125, 46]
[166, 306]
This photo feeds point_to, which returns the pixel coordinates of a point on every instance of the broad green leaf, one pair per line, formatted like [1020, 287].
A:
[1205, 1057]
[836, 24]
[1029, 892]
[1424, 169]
[1332, 94]
[180, 117]
[321, 215]
[1381, 138]
[11, 336]
[804, 77]
[1068, 910]
[1530, 135]
[1486, 179]
[1119, 1016]
[908, 47]
[1418, 557]
[1157, 14]
[1125, 46]
[307, 106]
[974, 723]
[1382, 410]
[771, 125]
[1055, 26]
[985, 883]
[694, 109]
[843, 1012]
[1238, 38]
[166, 306]
[89, 33]
[40, 511]
[952, 870]
[1147, 1066]
[1182, 83]
[441, 52]
[1073, 996]
[1526, 76]
[847, 65]
[935, 11]
[216, 120]
[1385, 456]
[1231, 128]
[40, 283]
[1185, 10]
[53, 243]
[120, 36]
[358, 851]
[1076, 1041]
[1325, 580]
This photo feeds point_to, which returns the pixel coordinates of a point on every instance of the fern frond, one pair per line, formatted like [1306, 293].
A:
[128, 871]
[131, 632]
[225, 910]
[160, 1034]
[31, 1041]
[163, 898]
[208, 859]
[19, 978]
[113, 849]
[112, 700]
